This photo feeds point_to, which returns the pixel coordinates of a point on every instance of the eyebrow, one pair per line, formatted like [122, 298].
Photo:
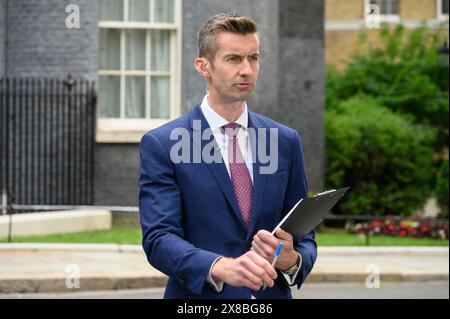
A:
[238, 55]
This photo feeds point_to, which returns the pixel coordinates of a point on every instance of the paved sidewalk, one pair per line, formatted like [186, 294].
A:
[26, 268]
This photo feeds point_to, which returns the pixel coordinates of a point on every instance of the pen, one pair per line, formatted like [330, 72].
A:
[275, 259]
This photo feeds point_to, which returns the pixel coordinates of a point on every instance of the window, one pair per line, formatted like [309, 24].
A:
[387, 7]
[442, 6]
[138, 60]
[388, 10]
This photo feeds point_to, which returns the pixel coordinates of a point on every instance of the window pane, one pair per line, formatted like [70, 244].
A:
[160, 50]
[109, 96]
[444, 6]
[387, 6]
[135, 42]
[164, 11]
[394, 7]
[135, 97]
[109, 49]
[111, 10]
[160, 99]
[139, 10]
[383, 7]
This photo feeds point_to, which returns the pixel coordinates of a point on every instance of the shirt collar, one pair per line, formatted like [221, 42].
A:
[216, 121]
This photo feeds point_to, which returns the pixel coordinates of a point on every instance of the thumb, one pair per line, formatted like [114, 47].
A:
[283, 235]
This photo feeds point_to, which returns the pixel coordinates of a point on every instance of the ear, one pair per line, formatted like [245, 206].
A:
[202, 66]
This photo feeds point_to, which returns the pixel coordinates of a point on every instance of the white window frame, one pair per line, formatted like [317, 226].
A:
[440, 16]
[389, 18]
[122, 130]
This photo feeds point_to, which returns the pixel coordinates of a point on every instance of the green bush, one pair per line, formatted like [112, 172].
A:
[442, 188]
[383, 157]
[403, 73]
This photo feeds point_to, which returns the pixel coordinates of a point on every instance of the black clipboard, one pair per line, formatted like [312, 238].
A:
[308, 212]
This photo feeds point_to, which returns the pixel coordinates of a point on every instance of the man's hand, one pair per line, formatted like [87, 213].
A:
[265, 245]
[249, 270]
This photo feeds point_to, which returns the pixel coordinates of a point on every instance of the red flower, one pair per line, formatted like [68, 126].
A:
[424, 229]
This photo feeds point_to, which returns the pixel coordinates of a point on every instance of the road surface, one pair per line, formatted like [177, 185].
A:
[387, 290]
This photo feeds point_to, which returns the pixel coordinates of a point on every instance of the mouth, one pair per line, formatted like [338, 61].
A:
[243, 85]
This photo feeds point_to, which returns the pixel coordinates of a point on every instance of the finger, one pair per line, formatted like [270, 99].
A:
[267, 238]
[283, 234]
[263, 232]
[268, 268]
[262, 268]
[251, 266]
[253, 287]
[243, 281]
[260, 251]
[268, 249]
[254, 282]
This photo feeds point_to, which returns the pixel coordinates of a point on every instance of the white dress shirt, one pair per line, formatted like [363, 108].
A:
[216, 122]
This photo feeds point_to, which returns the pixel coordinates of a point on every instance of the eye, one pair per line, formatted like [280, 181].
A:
[254, 58]
[233, 59]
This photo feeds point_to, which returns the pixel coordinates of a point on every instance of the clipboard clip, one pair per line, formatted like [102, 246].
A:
[326, 192]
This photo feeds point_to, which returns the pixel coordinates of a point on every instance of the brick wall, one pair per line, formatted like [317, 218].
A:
[344, 9]
[40, 44]
[418, 9]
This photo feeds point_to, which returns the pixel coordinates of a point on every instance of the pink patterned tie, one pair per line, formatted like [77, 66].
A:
[240, 176]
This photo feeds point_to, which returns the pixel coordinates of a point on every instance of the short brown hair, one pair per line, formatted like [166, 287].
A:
[222, 22]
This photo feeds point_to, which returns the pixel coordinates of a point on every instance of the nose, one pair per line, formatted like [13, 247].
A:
[246, 68]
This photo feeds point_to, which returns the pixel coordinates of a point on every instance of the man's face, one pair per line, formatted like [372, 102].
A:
[235, 67]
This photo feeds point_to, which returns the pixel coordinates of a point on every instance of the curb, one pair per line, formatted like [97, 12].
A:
[40, 285]
[58, 285]
[362, 277]
[329, 250]
[72, 247]
[385, 250]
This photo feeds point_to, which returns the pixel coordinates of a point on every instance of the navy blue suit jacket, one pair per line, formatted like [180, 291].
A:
[190, 216]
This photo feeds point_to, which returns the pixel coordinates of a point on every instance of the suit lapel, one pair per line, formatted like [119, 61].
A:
[218, 170]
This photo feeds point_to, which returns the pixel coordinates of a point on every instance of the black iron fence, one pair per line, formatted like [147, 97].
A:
[47, 138]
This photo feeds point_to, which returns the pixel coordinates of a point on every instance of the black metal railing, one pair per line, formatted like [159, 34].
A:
[47, 138]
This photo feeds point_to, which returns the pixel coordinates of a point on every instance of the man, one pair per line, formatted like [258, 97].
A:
[207, 224]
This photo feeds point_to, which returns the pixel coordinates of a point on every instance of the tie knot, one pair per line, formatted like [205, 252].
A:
[231, 129]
